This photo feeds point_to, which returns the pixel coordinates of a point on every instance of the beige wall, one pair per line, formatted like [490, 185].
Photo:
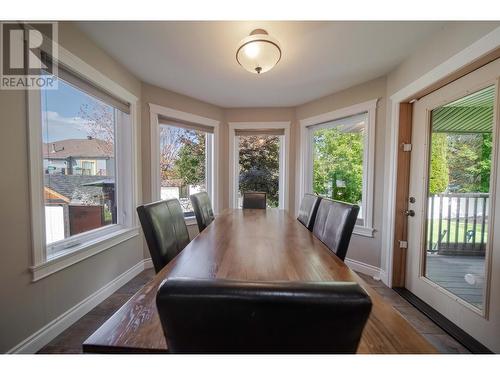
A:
[363, 249]
[453, 38]
[26, 306]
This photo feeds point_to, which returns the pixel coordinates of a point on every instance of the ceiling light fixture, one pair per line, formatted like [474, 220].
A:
[258, 52]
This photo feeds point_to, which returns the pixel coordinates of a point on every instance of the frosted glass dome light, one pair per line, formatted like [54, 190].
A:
[258, 52]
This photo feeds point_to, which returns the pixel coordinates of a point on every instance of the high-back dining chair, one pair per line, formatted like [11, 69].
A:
[227, 316]
[308, 210]
[165, 230]
[202, 209]
[254, 199]
[334, 224]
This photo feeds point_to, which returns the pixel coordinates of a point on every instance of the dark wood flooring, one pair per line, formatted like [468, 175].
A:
[70, 341]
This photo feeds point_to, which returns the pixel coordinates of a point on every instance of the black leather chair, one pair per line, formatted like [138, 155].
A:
[308, 210]
[334, 225]
[225, 316]
[254, 199]
[165, 230]
[202, 209]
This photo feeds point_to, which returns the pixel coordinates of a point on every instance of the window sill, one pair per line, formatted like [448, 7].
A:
[82, 252]
[363, 231]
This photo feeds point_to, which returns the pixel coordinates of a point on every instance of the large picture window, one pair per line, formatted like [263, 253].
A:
[337, 159]
[82, 167]
[78, 134]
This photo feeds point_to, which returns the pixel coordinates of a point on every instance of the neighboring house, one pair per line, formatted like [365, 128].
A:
[78, 186]
[88, 157]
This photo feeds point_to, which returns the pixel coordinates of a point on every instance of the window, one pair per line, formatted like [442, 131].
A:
[78, 130]
[82, 167]
[338, 159]
[183, 163]
[258, 160]
[259, 166]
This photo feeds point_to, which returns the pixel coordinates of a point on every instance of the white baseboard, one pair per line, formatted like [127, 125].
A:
[364, 268]
[148, 263]
[384, 276]
[47, 333]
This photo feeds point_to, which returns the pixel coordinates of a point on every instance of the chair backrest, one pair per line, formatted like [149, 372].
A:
[334, 225]
[225, 316]
[308, 210]
[165, 230]
[202, 209]
[254, 199]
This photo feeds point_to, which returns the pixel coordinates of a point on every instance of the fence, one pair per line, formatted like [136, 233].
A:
[457, 223]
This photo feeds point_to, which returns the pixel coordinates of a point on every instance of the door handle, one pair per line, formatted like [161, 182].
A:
[409, 213]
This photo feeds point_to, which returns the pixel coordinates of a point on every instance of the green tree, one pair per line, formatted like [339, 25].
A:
[439, 170]
[189, 165]
[469, 159]
[259, 166]
[485, 163]
[338, 164]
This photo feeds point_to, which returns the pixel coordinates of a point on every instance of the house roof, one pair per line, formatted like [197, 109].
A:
[54, 197]
[73, 187]
[78, 148]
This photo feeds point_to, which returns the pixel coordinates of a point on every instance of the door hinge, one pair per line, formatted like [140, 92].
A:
[406, 147]
[403, 244]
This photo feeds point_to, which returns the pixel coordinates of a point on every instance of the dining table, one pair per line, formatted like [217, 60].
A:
[253, 245]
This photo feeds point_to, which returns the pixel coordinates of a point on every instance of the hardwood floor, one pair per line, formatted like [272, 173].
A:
[426, 327]
[70, 341]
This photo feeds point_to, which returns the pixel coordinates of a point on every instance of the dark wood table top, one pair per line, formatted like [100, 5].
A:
[251, 245]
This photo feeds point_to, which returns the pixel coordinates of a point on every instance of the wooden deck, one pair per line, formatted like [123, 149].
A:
[450, 273]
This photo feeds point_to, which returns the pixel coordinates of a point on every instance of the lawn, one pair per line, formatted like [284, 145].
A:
[461, 230]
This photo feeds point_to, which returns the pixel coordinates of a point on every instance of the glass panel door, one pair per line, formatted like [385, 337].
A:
[458, 195]
[453, 254]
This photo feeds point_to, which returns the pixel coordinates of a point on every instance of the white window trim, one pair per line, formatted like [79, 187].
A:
[212, 172]
[98, 240]
[304, 177]
[284, 159]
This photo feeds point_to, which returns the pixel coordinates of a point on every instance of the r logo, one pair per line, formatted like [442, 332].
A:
[25, 48]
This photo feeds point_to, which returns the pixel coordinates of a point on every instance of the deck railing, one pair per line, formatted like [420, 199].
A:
[457, 223]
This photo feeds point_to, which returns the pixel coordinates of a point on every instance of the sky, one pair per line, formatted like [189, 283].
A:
[60, 113]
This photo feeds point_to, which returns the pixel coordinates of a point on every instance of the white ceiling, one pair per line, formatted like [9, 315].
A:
[318, 58]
